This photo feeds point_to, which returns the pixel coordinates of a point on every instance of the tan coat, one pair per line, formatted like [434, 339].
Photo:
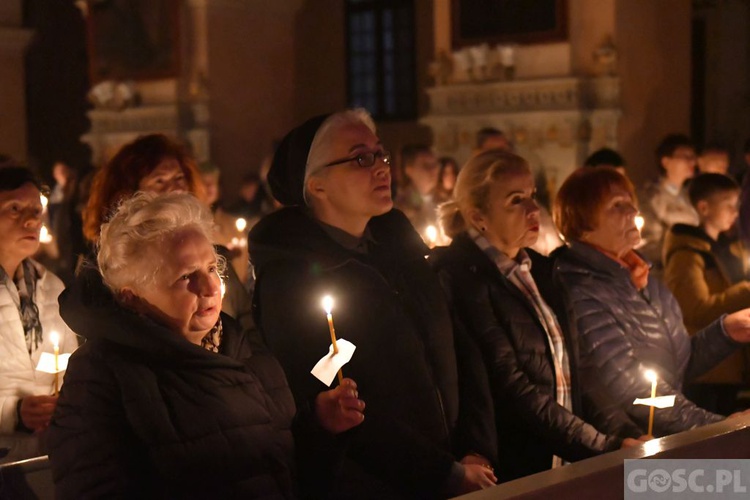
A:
[702, 287]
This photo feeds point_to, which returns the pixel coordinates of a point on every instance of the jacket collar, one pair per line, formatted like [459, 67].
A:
[90, 309]
[292, 233]
[582, 255]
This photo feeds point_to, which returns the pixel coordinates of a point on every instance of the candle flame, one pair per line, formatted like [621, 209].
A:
[328, 304]
[639, 222]
[223, 287]
[45, 201]
[44, 235]
[55, 338]
[432, 234]
[651, 376]
[240, 224]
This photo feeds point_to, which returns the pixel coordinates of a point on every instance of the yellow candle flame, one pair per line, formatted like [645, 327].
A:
[432, 233]
[651, 376]
[44, 200]
[44, 235]
[55, 338]
[639, 222]
[328, 304]
[240, 224]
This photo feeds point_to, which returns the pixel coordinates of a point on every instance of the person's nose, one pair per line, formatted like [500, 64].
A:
[32, 219]
[176, 186]
[209, 284]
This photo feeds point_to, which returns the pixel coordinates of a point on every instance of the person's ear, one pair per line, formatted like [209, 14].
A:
[477, 220]
[702, 207]
[127, 297]
[316, 187]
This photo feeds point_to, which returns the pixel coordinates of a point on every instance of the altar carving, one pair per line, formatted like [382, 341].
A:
[553, 122]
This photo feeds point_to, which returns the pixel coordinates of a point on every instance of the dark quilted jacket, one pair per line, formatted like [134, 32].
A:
[390, 305]
[531, 426]
[622, 332]
[144, 413]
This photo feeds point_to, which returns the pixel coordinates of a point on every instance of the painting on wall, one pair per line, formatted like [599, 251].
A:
[132, 39]
[508, 21]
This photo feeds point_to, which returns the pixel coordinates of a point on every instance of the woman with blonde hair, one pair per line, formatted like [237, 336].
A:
[503, 295]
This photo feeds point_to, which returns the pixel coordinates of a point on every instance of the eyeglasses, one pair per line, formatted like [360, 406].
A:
[365, 160]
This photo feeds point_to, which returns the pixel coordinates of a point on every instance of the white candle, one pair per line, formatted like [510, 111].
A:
[55, 338]
[651, 376]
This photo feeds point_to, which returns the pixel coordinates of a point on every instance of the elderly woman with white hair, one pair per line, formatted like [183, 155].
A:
[167, 398]
[338, 235]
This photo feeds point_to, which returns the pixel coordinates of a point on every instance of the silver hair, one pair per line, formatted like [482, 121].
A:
[317, 156]
[131, 238]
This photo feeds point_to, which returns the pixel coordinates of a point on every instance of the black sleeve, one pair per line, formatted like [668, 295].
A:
[388, 449]
[93, 451]
[513, 391]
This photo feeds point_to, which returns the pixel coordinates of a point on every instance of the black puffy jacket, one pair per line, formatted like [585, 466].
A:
[144, 413]
[390, 305]
[531, 426]
[623, 331]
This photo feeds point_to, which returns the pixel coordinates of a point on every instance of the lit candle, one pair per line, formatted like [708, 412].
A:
[44, 235]
[431, 233]
[240, 224]
[328, 307]
[55, 338]
[651, 376]
[45, 201]
[639, 222]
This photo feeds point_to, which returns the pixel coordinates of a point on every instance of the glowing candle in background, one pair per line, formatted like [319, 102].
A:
[639, 222]
[45, 201]
[328, 308]
[55, 338]
[431, 233]
[44, 235]
[240, 224]
[651, 376]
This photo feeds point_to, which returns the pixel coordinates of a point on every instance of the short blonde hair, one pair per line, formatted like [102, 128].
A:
[582, 196]
[473, 186]
[131, 237]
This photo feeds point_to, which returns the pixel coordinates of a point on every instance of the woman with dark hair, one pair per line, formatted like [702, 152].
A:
[626, 321]
[503, 295]
[30, 317]
[153, 163]
[157, 164]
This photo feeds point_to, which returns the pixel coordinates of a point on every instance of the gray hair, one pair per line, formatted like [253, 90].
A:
[317, 156]
[130, 240]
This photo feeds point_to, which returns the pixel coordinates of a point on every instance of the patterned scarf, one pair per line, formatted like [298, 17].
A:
[212, 340]
[518, 272]
[23, 293]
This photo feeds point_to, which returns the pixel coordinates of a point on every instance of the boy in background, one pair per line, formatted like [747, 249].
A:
[706, 270]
